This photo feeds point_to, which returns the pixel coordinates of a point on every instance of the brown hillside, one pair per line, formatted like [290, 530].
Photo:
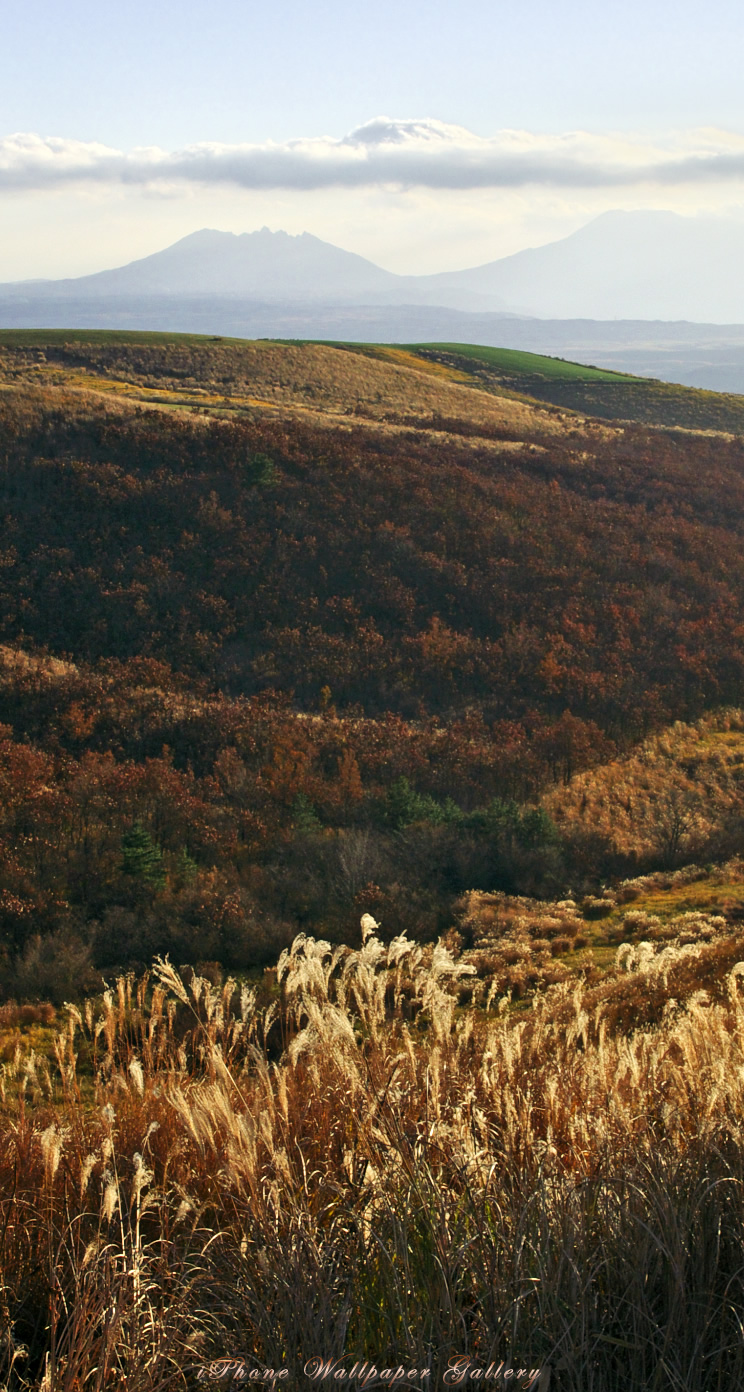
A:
[668, 798]
[321, 384]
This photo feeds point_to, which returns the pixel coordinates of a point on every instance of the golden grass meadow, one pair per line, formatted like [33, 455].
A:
[369, 1165]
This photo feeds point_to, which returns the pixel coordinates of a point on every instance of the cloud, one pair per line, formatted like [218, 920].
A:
[385, 153]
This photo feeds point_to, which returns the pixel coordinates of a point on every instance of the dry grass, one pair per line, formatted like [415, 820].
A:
[360, 1166]
[669, 797]
[390, 389]
[520, 946]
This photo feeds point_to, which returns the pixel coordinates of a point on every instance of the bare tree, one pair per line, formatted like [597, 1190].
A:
[672, 820]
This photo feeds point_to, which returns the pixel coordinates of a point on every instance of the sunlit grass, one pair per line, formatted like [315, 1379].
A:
[514, 361]
[322, 1174]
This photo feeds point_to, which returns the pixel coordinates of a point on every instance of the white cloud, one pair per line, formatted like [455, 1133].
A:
[385, 153]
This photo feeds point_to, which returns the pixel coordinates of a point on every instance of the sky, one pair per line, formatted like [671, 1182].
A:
[426, 136]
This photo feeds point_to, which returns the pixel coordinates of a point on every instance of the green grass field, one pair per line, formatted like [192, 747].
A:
[38, 338]
[590, 390]
[515, 363]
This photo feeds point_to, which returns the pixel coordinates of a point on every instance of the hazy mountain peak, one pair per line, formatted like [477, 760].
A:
[639, 264]
[249, 265]
[643, 264]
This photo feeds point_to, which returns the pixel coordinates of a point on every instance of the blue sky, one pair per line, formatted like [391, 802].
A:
[616, 105]
[167, 73]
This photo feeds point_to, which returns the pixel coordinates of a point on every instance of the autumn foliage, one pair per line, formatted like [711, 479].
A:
[320, 668]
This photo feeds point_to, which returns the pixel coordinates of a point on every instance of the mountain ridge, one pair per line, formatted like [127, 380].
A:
[264, 265]
[276, 285]
[630, 265]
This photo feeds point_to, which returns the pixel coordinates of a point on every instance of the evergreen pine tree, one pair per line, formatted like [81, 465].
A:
[304, 815]
[141, 857]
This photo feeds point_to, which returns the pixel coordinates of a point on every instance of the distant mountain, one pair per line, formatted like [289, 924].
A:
[265, 266]
[640, 265]
[618, 293]
[254, 265]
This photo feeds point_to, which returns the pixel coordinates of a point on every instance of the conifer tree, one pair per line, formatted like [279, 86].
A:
[141, 857]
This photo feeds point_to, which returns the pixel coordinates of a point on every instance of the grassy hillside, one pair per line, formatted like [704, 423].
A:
[267, 665]
[300, 644]
[504, 559]
[678, 792]
[590, 390]
[296, 631]
[311, 382]
[510, 363]
[585, 390]
[388, 384]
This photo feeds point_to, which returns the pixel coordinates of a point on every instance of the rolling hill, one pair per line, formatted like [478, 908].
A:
[418, 381]
[302, 643]
[319, 626]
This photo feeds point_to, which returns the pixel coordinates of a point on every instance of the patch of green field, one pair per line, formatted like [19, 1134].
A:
[705, 896]
[590, 390]
[37, 338]
[512, 361]
[709, 896]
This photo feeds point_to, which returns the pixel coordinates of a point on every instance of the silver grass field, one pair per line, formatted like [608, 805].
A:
[372, 1166]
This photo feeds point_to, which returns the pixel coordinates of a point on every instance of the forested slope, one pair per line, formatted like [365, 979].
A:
[268, 665]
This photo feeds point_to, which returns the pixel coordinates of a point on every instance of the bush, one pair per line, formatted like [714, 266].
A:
[593, 907]
[55, 968]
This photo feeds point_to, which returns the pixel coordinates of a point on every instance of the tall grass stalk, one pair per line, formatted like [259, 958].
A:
[366, 1169]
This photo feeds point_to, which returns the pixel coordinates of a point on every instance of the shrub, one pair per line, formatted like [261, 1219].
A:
[593, 907]
[56, 968]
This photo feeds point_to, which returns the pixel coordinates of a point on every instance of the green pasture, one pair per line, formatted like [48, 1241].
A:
[514, 362]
